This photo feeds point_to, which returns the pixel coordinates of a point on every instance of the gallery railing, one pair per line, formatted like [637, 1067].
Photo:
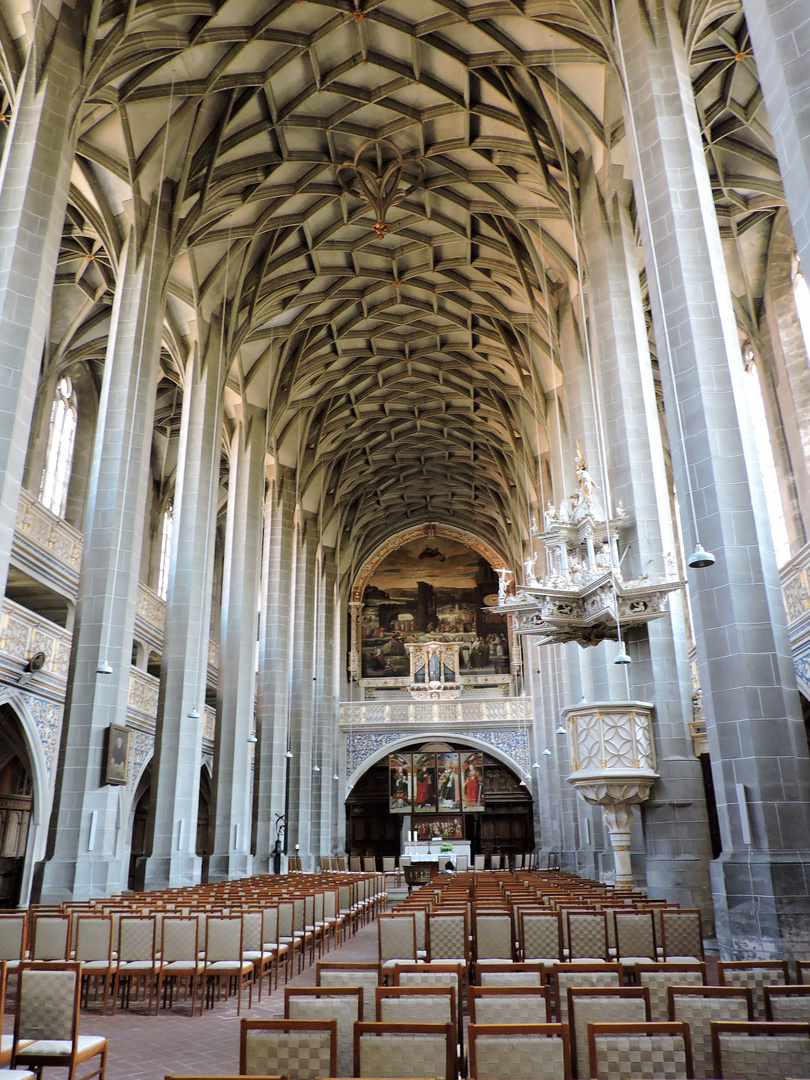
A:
[459, 710]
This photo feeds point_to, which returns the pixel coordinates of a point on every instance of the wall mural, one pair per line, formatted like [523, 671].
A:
[427, 783]
[432, 589]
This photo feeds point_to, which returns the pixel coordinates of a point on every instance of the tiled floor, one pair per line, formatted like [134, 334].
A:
[151, 1047]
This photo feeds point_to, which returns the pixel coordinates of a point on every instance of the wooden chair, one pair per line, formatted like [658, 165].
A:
[568, 975]
[94, 950]
[494, 939]
[396, 939]
[659, 977]
[699, 1007]
[448, 938]
[137, 959]
[404, 1050]
[433, 975]
[46, 1021]
[50, 936]
[253, 949]
[540, 936]
[224, 962]
[344, 1005]
[421, 1005]
[682, 935]
[757, 974]
[298, 1049]
[773, 1050]
[587, 936]
[787, 1004]
[508, 1004]
[604, 1004]
[179, 958]
[13, 939]
[627, 1051]
[634, 933]
[519, 1051]
[528, 973]
[340, 974]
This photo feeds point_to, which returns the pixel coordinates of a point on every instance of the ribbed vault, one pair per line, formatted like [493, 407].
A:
[406, 374]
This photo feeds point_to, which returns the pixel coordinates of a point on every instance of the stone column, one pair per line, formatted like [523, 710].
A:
[300, 810]
[780, 33]
[326, 705]
[758, 746]
[89, 855]
[173, 861]
[34, 185]
[275, 663]
[677, 842]
[237, 666]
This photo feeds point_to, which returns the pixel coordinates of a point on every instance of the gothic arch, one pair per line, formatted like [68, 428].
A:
[440, 735]
[40, 780]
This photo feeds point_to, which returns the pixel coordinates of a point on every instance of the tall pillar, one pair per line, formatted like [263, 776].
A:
[780, 33]
[237, 669]
[300, 810]
[756, 737]
[34, 186]
[326, 718]
[89, 852]
[173, 860]
[676, 834]
[275, 664]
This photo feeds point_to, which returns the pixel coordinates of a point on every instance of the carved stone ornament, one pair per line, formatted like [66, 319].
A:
[613, 765]
[584, 595]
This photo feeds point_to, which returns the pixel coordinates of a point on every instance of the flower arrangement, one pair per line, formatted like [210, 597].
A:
[446, 846]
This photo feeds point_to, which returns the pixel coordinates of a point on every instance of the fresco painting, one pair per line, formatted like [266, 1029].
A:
[432, 590]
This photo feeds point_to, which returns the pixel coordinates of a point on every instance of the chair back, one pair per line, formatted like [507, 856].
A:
[462, 863]
[606, 1004]
[503, 1004]
[369, 864]
[404, 1050]
[416, 1004]
[396, 937]
[587, 935]
[13, 927]
[682, 935]
[540, 935]
[344, 1005]
[529, 973]
[787, 1004]
[298, 1049]
[338, 974]
[568, 975]
[761, 1049]
[617, 1051]
[48, 1002]
[179, 938]
[519, 1051]
[136, 938]
[448, 936]
[479, 862]
[493, 937]
[699, 1007]
[435, 975]
[50, 937]
[285, 920]
[270, 926]
[252, 931]
[635, 935]
[494, 862]
[757, 974]
[659, 977]
[354, 863]
[94, 938]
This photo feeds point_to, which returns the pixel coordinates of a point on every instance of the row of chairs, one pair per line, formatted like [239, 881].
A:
[303, 1049]
[390, 864]
[470, 933]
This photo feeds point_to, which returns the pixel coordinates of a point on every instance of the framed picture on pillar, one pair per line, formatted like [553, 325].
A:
[472, 782]
[424, 771]
[400, 775]
[116, 755]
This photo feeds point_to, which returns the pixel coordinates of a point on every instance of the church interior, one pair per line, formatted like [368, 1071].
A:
[405, 456]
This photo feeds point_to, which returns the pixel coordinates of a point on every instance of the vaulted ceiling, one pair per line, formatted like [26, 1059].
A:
[408, 370]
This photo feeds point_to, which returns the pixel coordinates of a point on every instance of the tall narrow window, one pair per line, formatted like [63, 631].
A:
[165, 554]
[770, 479]
[56, 475]
[801, 295]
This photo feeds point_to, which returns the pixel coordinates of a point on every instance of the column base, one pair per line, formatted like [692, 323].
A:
[235, 864]
[762, 905]
[59, 880]
[684, 881]
[175, 871]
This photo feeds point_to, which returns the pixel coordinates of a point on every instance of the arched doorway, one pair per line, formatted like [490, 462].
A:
[204, 845]
[504, 827]
[16, 806]
[137, 851]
